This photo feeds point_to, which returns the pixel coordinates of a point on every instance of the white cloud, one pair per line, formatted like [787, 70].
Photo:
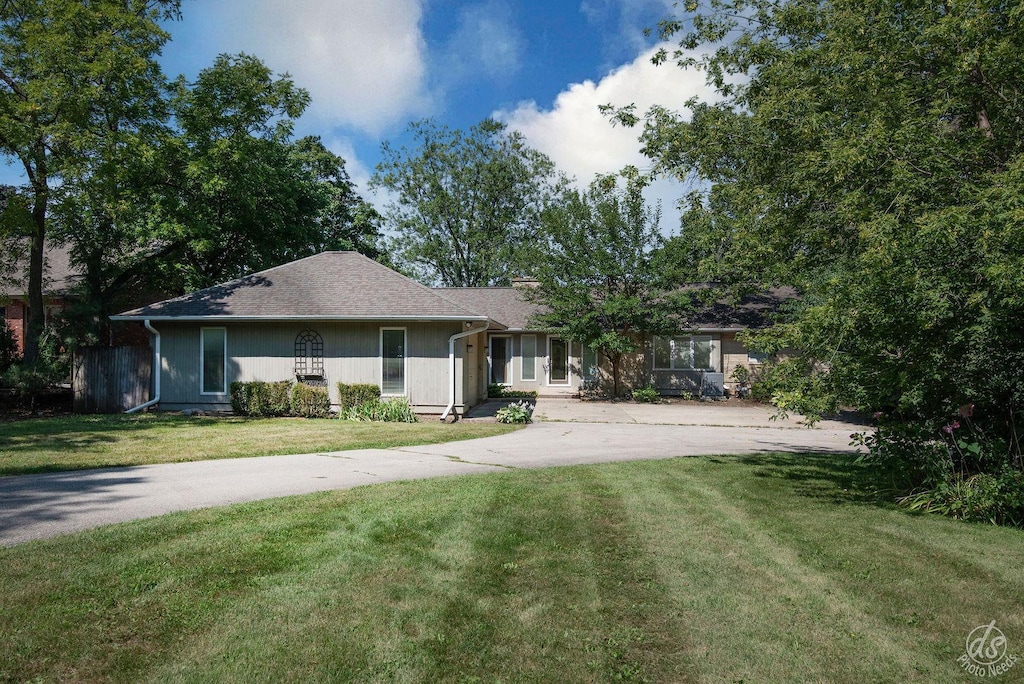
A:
[364, 63]
[358, 171]
[486, 41]
[581, 140]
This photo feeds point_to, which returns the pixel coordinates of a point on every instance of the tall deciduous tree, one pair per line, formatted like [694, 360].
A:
[15, 228]
[597, 269]
[220, 190]
[466, 203]
[73, 73]
[872, 153]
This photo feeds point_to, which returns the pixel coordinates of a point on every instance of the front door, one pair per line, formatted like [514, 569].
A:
[558, 361]
[501, 360]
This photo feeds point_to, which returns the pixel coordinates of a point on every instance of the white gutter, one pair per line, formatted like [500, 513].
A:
[156, 370]
[451, 366]
[298, 317]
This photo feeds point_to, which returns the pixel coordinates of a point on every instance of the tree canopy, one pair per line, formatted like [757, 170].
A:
[466, 203]
[159, 187]
[872, 154]
[75, 76]
[598, 272]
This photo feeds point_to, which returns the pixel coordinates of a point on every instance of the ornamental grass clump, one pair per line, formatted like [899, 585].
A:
[394, 410]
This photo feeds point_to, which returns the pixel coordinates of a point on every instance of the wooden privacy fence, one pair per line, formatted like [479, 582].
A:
[111, 379]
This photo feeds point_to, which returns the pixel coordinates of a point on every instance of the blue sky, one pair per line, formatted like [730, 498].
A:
[372, 66]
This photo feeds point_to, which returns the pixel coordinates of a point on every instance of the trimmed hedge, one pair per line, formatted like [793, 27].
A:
[350, 396]
[499, 391]
[261, 399]
[310, 402]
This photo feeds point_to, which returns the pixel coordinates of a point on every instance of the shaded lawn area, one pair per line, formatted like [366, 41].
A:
[73, 443]
[761, 569]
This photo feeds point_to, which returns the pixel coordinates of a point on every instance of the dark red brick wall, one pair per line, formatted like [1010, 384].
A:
[15, 316]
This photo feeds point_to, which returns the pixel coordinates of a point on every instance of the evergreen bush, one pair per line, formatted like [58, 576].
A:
[308, 401]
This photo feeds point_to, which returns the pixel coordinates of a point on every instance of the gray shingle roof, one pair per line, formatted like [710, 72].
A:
[58, 274]
[506, 305]
[350, 286]
[329, 285]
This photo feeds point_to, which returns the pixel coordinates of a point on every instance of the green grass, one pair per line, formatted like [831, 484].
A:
[34, 446]
[775, 568]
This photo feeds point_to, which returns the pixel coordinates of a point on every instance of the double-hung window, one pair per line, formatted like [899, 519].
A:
[695, 352]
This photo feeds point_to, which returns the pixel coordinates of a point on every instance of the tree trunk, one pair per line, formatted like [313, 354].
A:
[615, 359]
[36, 313]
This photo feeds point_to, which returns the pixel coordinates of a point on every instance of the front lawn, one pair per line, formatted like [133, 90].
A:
[773, 568]
[41, 445]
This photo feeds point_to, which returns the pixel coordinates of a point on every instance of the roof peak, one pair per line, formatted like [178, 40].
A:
[339, 284]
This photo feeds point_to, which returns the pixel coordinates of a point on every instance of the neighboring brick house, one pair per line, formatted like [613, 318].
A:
[58, 279]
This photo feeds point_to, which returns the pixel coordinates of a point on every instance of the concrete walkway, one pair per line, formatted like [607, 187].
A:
[711, 413]
[41, 506]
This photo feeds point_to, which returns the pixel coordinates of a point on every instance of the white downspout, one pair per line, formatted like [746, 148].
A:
[156, 369]
[451, 366]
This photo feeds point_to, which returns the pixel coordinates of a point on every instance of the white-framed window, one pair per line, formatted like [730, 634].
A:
[754, 358]
[213, 360]
[528, 352]
[694, 352]
[392, 361]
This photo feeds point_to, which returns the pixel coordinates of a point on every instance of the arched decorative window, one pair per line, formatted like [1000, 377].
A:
[309, 357]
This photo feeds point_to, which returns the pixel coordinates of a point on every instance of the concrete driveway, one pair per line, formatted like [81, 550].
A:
[41, 506]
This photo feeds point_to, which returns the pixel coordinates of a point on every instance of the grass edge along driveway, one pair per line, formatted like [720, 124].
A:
[774, 567]
[83, 442]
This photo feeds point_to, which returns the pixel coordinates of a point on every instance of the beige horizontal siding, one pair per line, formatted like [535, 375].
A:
[265, 351]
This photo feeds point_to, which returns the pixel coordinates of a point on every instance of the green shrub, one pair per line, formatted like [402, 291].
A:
[519, 412]
[308, 401]
[51, 368]
[646, 395]
[354, 395]
[27, 380]
[957, 469]
[982, 497]
[394, 410]
[8, 347]
[499, 391]
[261, 399]
[741, 378]
[795, 386]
